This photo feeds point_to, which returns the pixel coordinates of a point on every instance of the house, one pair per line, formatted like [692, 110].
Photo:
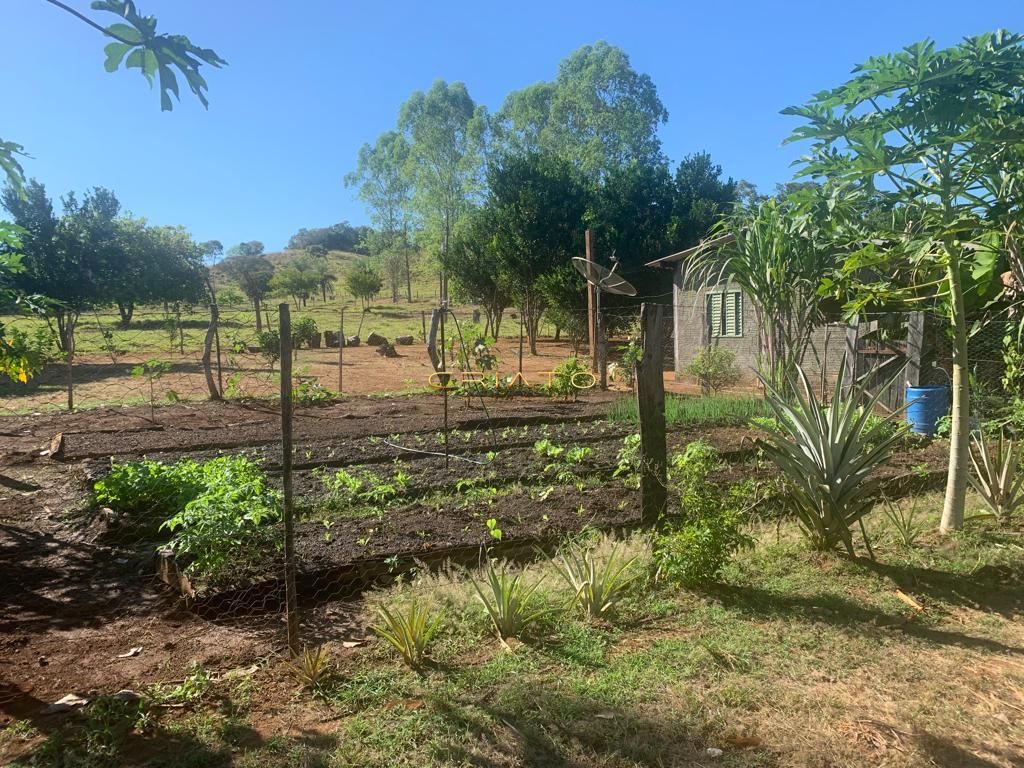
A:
[721, 314]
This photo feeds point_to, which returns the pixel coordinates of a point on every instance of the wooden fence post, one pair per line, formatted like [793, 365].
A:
[650, 400]
[291, 600]
[341, 351]
[915, 347]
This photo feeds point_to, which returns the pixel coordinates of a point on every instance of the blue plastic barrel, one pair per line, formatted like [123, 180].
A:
[925, 406]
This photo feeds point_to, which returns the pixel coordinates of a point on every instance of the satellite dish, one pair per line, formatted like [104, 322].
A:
[602, 278]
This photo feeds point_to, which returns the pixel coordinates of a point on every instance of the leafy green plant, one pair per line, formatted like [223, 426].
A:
[628, 461]
[409, 629]
[145, 493]
[312, 667]
[226, 524]
[493, 529]
[625, 371]
[827, 454]
[307, 391]
[683, 409]
[997, 476]
[509, 601]
[152, 370]
[566, 377]
[904, 521]
[304, 331]
[190, 691]
[715, 369]
[693, 547]
[596, 586]
[270, 346]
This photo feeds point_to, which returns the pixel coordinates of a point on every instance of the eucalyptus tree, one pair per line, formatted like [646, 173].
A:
[443, 128]
[473, 261]
[598, 113]
[385, 182]
[932, 136]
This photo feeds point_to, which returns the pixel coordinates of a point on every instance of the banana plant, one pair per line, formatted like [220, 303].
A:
[827, 454]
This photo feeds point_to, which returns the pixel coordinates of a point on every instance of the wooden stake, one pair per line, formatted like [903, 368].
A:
[291, 599]
[650, 400]
[591, 313]
[341, 351]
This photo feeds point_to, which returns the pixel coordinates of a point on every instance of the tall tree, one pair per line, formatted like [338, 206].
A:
[472, 262]
[253, 272]
[364, 282]
[599, 113]
[538, 206]
[933, 135]
[443, 128]
[702, 197]
[385, 184]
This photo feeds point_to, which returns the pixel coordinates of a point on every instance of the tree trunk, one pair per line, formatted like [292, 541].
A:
[208, 353]
[126, 309]
[259, 321]
[408, 267]
[956, 480]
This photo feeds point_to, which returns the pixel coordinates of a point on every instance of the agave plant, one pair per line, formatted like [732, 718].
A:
[997, 477]
[509, 601]
[826, 453]
[597, 587]
[409, 629]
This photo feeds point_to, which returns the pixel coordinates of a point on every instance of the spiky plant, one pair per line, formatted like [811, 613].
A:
[597, 586]
[509, 601]
[311, 667]
[409, 629]
[827, 454]
[997, 476]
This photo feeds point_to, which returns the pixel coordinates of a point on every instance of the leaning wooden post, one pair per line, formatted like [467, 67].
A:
[291, 600]
[650, 400]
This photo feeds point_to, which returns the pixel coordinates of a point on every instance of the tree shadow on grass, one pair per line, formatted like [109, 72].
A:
[944, 752]
[842, 612]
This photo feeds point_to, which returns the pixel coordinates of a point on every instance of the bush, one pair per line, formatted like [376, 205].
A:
[566, 377]
[304, 330]
[715, 368]
[215, 512]
[694, 547]
[225, 525]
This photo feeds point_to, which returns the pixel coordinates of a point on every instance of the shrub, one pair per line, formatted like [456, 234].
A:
[826, 454]
[693, 547]
[225, 525]
[565, 378]
[146, 493]
[714, 368]
[270, 346]
[304, 330]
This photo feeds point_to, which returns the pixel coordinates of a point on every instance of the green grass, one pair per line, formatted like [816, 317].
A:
[681, 410]
[796, 659]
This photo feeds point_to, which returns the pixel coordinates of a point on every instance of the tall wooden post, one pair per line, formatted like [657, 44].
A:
[341, 351]
[591, 314]
[650, 400]
[291, 600]
[915, 347]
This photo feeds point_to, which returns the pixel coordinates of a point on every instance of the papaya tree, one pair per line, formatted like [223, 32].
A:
[926, 137]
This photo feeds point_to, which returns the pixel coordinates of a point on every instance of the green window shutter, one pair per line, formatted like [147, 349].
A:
[715, 314]
[734, 314]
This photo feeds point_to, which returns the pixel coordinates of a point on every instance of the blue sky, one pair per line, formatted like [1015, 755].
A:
[309, 82]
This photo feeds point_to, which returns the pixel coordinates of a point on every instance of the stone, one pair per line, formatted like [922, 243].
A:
[352, 341]
[331, 339]
[387, 350]
[314, 341]
[376, 340]
[66, 704]
[404, 341]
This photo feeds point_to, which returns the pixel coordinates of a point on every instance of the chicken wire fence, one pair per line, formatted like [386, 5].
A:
[372, 501]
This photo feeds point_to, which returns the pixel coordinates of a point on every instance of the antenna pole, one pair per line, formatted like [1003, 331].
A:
[591, 305]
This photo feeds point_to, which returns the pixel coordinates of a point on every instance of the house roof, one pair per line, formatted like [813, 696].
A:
[674, 258]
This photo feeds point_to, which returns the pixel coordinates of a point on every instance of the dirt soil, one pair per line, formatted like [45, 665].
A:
[78, 615]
